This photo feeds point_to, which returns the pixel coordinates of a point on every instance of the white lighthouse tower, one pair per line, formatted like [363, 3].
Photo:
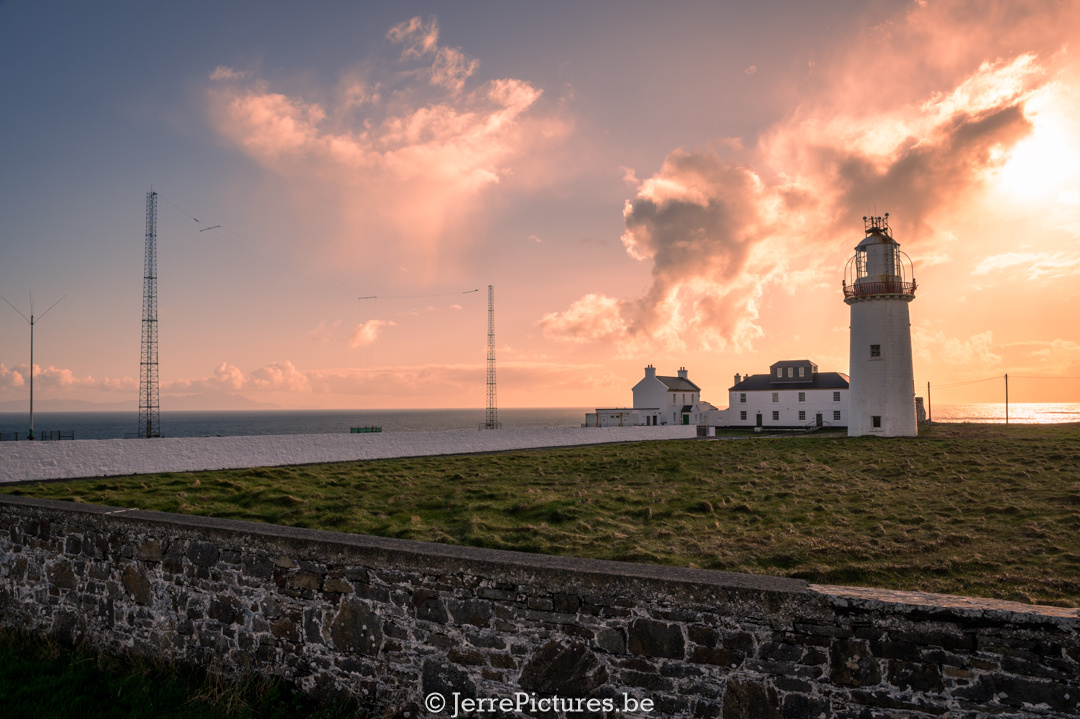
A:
[878, 285]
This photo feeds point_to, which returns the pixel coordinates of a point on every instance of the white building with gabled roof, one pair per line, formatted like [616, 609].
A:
[667, 400]
[658, 400]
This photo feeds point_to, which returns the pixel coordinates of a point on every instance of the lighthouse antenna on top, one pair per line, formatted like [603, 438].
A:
[877, 225]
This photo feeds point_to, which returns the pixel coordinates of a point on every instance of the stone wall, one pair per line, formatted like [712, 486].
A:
[396, 622]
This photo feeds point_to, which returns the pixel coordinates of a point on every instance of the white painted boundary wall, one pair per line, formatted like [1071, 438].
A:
[22, 461]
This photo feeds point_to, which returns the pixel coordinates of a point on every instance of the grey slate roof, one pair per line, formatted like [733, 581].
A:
[820, 380]
[679, 384]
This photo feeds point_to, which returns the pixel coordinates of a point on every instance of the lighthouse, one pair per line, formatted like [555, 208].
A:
[878, 285]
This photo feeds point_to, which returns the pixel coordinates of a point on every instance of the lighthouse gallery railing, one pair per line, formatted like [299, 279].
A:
[885, 287]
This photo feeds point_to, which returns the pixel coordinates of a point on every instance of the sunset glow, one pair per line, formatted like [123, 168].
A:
[1044, 168]
[676, 185]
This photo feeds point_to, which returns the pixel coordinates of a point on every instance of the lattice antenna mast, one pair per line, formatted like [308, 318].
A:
[149, 403]
[492, 420]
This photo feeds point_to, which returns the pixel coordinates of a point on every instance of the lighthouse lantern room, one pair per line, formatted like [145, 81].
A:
[878, 285]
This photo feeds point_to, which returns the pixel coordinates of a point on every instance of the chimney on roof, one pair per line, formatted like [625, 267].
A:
[650, 371]
[682, 373]
[738, 378]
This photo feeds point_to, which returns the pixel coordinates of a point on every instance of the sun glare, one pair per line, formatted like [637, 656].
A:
[1043, 167]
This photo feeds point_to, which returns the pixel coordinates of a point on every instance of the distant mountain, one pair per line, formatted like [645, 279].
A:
[67, 405]
[209, 402]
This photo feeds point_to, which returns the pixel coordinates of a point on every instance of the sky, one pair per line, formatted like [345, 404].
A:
[677, 184]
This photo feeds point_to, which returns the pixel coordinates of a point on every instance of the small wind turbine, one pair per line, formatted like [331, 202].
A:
[31, 320]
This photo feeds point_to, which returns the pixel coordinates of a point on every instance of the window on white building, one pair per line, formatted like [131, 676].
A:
[742, 397]
[776, 416]
[875, 350]
[802, 371]
[775, 396]
[779, 371]
[875, 422]
[835, 396]
[790, 371]
[836, 416]
[802, 396]
[802, 414]
[742, 415]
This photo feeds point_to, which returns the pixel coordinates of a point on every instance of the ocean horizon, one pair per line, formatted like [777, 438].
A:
[117, 424]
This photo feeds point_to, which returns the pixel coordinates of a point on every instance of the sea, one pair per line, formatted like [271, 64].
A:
[118, 425]
[233, 423]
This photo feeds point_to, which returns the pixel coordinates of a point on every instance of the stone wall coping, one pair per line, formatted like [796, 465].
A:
[556, 573]
[984, 611]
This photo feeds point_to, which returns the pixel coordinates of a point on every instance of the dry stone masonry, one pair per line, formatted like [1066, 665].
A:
[403, 625]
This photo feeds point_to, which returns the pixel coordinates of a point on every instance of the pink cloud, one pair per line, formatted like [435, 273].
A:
[450, 66]
[222, 72]
[419, 37]
[10, 378]
[405, 159]
[368, 332]
[593, 317]
[49, 380]
[1037, 265]
[283, 383]
[226, 378]
[278, 376]
[721, 230]
[452, 381]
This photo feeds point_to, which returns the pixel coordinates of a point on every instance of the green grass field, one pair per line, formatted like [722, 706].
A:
[982, 510]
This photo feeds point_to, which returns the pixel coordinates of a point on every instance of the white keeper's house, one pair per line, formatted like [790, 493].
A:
[794, 395]
[658, 400]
